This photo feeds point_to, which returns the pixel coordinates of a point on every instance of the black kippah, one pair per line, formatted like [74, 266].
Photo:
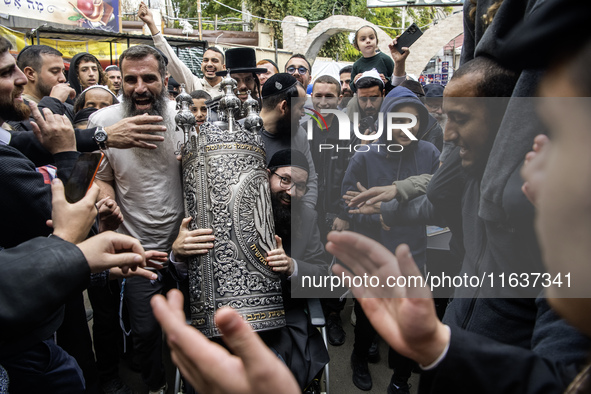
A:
[163, 56]
[277, 83]
[289, 158]
[433, 90]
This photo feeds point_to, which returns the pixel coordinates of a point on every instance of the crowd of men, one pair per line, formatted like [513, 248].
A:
[471, 157]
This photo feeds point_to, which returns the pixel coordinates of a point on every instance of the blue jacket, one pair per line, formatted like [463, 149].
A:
[378, 167]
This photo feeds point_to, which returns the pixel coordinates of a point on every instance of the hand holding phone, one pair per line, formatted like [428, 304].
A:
[408, 38]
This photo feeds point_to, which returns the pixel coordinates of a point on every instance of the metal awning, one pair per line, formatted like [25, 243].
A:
[76, 34]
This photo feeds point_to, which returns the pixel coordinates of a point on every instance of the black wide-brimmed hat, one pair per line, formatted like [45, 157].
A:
[241, 60]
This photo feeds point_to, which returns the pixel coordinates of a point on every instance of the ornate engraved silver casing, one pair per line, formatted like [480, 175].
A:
[227, 189]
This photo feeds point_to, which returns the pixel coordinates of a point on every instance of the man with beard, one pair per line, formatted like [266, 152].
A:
[212, 62]
[242, 63]
[35, 363]
[44, 69]
[148, 189]
[379, 167]
[61, 146]
[299, 254]
[370, 94]
[283, 106]
[346, 92]
[43, 66]
[453, 199]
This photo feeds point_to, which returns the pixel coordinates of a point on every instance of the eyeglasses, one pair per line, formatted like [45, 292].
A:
[288, 184]
[301, 69]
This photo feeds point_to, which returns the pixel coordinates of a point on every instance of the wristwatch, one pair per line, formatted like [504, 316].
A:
[100, 137]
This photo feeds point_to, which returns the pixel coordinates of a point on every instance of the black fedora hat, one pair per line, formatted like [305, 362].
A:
[241, 60]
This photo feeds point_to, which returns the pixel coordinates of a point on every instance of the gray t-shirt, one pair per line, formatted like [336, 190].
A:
[148, 186]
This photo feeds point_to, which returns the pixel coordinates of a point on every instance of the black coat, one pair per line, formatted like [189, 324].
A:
[25, 197]
[540, 352]
[36, 279]
[330, 166]
[299, 344]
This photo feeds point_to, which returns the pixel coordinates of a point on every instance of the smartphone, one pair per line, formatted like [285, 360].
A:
[408, 38]
[82, 176]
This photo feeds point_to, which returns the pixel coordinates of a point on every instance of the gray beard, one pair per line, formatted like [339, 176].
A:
[159, 106]
[166, 148]
[442, 120]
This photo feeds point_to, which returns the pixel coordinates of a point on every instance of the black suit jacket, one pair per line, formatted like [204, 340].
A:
[36, 279]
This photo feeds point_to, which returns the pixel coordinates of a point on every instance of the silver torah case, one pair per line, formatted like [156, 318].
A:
[226, 188]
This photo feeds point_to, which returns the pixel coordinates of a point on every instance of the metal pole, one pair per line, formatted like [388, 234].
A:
[199, 16]
[276, 54]
[404, 17]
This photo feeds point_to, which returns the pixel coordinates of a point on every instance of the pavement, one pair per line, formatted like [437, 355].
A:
[340, 363]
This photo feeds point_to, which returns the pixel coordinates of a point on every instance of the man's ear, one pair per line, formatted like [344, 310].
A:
[30, 74]
[166, 81]
[283, 107]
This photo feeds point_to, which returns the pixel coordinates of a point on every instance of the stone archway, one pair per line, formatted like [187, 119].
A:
[297, 39]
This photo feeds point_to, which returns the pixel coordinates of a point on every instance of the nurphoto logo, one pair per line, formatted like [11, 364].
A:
[345, 130]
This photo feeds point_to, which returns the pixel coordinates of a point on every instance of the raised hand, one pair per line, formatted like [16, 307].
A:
[403, 315]
[251, 369]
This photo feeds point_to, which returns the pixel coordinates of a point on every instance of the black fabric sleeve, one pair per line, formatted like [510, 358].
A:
[25, 196]
[36, 278]
[447, 185]
[418, 211]
[477, 364]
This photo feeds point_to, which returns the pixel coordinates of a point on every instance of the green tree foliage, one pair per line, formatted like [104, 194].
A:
[338, 45]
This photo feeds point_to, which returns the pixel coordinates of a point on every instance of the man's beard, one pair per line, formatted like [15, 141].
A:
[281, 215]
[286, 126]
[158, 106]
[9, 110]
[43, 89]
[166, 148]
[441, 119]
